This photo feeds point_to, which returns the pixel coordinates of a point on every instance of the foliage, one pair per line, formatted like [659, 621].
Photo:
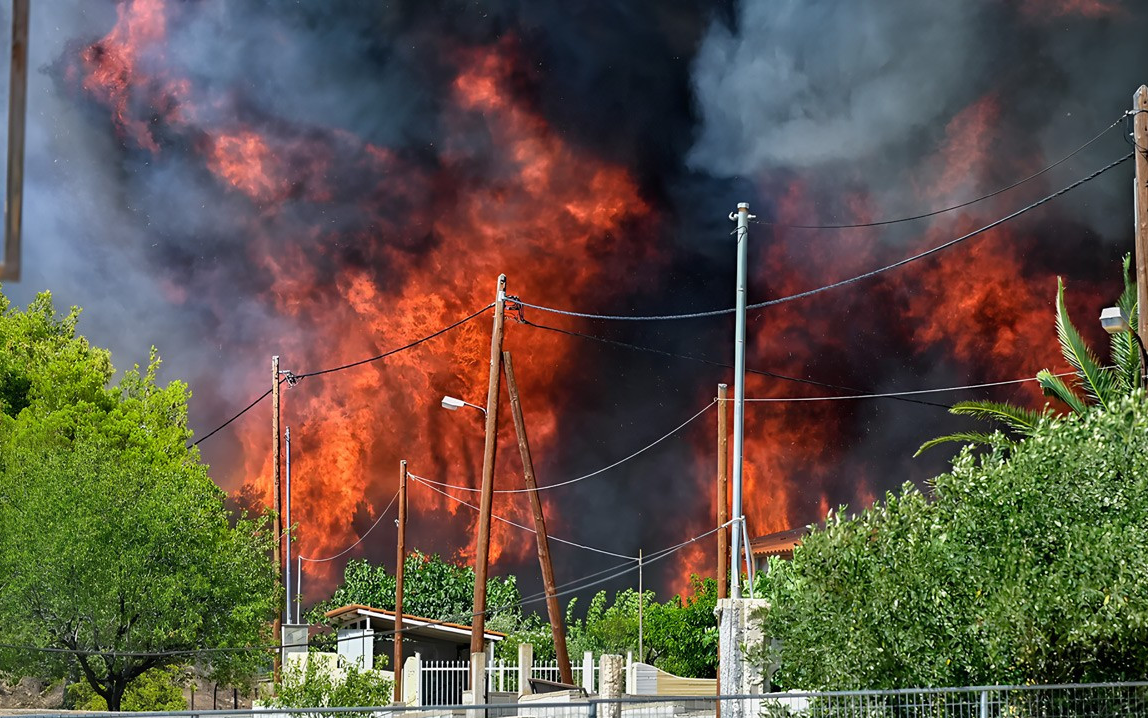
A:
[433, 588]
[157, 689]
[112, 537]
[314, 684]
[1097, 385]
[679, 636]
[1028, 566]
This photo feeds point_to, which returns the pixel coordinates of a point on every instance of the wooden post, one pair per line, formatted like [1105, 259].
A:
[482, 549]
[723, 490]
[1140, 137]
[277, 499]
[399, 565]
[553, 608]
[17, 119]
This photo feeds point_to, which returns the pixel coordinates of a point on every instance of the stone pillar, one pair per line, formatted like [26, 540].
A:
[412, 680]
[739, 630]
[588, 672]
[611, 679]
[478, 679]
[525, 667]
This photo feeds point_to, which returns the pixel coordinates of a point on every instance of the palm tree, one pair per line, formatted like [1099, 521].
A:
[1097, 386]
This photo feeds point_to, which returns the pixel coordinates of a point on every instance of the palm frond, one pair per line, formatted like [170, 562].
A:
[967, 437]
[1125, 350]
[1015, 417]
[1096, 381]
[1054, 386]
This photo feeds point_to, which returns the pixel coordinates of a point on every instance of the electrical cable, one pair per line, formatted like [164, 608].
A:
[937, 390]
[933, 213]
[430, 485]
[567, 588]
[292, 378]
[592, 474]
[360, 540]
[711, 362]
[386, 354]
[245, 409]
[843, 282]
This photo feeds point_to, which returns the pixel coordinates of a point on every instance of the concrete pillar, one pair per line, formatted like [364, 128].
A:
[478, 679]
[611, 679]
[739, 630]
[588, 672]
[412, 680]
[525, 666]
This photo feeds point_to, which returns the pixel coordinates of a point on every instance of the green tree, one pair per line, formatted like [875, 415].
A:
[434, 588]
[1027, 566]
[157, 689]
[1097, 385]
[314, 683]
[114, 543]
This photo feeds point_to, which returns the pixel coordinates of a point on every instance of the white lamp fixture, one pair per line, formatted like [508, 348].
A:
[449, 402]
[1113, 319]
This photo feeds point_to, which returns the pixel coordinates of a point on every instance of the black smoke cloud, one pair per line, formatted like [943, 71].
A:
[708, 104]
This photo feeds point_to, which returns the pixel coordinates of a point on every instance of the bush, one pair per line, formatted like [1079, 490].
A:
[160, 689]
[315, 683]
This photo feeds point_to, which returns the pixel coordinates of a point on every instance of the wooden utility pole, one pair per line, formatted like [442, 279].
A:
[1140, 195]
[722, 491]
[400, 561]
[17, 119]
[482, 549]
[275, 449]
[553, 609]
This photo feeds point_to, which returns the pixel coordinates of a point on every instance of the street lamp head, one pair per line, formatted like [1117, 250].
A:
[1114, 320]
[449, 402]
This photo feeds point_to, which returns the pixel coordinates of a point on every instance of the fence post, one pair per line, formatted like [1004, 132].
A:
[525, 666]
[984, 704]
[611, 682]
[588, 672]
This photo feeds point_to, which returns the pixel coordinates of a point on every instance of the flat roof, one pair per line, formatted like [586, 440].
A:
[415, 625]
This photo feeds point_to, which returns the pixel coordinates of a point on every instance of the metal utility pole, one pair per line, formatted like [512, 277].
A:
[553, 609]
[1140, 195]
[641, 611]
[287, 522]
[17, 120]
[723, 490]
[278, 551]
[742, 217]
[400, 562]
[482, 550]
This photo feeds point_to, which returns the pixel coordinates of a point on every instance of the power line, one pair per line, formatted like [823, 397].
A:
[711, 362]
[430, 485]
[360, 540]
[843, 282]
[293, 378]
[579, 584]
[592, 474]
[933, 213]
[893, 394]
[386, 354]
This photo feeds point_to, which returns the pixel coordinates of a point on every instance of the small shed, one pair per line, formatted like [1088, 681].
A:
[780, 544]
[365, 632]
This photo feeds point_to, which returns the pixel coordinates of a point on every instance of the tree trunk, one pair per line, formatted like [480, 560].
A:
[115, 697]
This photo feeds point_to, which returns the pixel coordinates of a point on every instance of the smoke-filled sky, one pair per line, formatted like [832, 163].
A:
[329, 180]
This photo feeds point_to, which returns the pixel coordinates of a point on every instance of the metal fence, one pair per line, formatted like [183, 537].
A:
[1101, 700]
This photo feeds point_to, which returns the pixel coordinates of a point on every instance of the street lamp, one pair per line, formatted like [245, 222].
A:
[1114, 321]
[453, 404]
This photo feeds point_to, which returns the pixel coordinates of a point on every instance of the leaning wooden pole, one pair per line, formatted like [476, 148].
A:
[1140, 206]
[553, 608]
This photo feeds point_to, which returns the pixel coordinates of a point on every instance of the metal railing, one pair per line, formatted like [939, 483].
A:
[1097, 700]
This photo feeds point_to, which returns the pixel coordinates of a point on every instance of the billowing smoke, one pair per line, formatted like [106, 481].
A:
[326, 181]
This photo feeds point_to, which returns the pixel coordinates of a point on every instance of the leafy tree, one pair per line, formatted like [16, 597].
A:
[1029, 565]
[1097, 385]
[434, 588]
[313, 683]
[157, 689]
[113, 540]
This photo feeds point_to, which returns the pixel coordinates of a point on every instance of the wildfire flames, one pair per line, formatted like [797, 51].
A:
[361, 247]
